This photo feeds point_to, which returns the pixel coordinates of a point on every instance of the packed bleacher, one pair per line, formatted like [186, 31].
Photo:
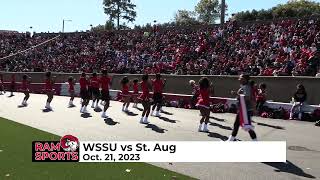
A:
[282, 48]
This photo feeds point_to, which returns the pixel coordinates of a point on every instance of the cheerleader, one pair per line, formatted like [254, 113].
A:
[158, 85]
[25, 89]
[84, 93]
[246, 91]
[145, 98]
[135, 93]
[105, 81]
[95, 84]
[71, 84]
[125, 94]
[204, 103]
[49, 82]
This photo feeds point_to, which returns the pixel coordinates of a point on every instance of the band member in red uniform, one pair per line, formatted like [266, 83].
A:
[12, 85]
[125, 94]
[95, 84]
[158, 85]
[49, 82]
[204, 103]
[25, 89]
[145, 98]
[135, 94]
[71, 84]
[84, 93]
[105, 81]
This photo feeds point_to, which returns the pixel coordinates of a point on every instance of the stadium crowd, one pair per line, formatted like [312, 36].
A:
[282, 48]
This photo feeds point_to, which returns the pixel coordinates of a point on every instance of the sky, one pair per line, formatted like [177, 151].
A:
[45, 15]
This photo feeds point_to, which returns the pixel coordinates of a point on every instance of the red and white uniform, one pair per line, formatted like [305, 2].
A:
[71, 86]
[105, 82]
[157, 86]
[83, 83]
[135, 89]
[145, 91]
[204, 98]
[125, 90]
[95, 83]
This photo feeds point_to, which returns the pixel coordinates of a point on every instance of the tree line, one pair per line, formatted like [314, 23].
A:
[122, 12]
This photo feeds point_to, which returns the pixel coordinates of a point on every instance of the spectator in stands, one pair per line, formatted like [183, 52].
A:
[299, 99]
[256, 49]
[261, 97]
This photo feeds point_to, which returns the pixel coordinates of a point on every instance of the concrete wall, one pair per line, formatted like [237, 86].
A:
[280, 89]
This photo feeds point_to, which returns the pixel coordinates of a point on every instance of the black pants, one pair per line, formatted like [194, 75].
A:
[259, 106]
[194, 100]
[236, 126]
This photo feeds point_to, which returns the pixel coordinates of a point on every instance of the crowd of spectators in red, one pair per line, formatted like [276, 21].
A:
[282, 48]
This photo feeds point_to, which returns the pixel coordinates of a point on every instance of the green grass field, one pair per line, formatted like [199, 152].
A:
[16, 162]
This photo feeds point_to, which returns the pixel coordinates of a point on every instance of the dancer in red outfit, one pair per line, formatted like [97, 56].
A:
[204, 103]
[145, 98]
[71, 84]
[105, 81]
[125, 94]
[84, 93]
[135, 94]
[95, 84]
[49, 82]
[25, 89]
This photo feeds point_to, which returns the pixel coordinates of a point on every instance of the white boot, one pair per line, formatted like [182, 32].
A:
[104, 115]
[48, 106]
[205, 128]
[85, 109]
[158, 114]
[146, 120]
[231, 138]
[200, 128]
[141, 120]
[123, 108]
[81, 109]
[92, 106]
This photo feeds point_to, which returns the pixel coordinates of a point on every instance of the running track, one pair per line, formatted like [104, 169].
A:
[179, 124]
